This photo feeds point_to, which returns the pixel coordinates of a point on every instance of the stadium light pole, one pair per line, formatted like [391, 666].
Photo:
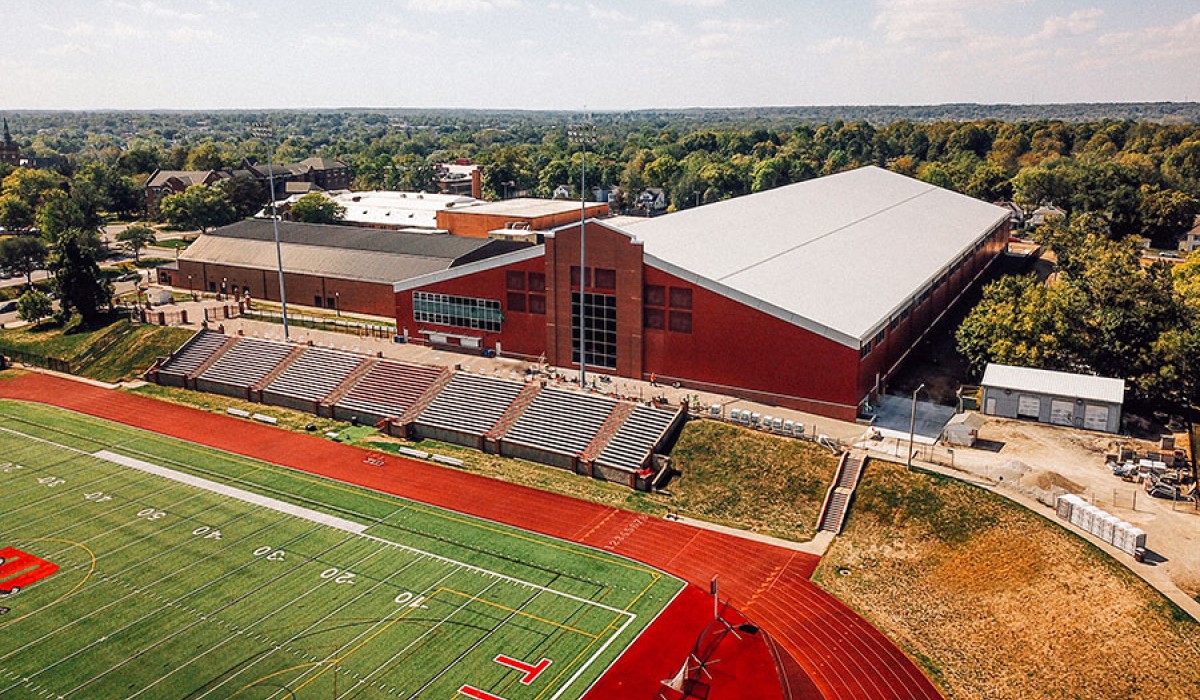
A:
[582, 134]
[912, 424]
[265, 132]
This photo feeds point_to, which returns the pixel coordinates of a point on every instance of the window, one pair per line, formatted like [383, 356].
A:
[537, 304]
[865, 350]
[893, 323]
[654, 318]
[212, 286]
[681, 298]
[464, 312]
[606, 279]
[655, 295]
[681, 322]
[878, 339]
[317, 299]
[575, 276]
[537, 282]
[599, 329]
[515, 280]
[516, 301]
[331, 303]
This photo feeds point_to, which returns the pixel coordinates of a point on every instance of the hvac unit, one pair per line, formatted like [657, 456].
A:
[1120, 528]
[1108, 527]
[788, 427]
[777, 424]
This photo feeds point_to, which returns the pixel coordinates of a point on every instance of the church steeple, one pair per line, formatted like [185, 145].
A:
[7, 133]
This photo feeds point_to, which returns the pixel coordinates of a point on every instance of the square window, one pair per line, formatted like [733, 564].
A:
[606, 279]
[515, 279]
[516, 301]
[681, 298]
[537, 304]
[654, 318]
[537, 282]
[655, 295]
[575, 276]
[681, 321]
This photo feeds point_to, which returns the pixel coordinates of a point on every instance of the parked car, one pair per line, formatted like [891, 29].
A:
[8, 306]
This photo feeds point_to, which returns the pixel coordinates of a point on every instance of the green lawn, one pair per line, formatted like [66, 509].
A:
[170, 588]
[115, 351]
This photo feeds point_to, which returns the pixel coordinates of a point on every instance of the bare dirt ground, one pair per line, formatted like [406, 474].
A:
[997, 602]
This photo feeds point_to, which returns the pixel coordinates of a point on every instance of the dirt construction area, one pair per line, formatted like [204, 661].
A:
[1038, 461]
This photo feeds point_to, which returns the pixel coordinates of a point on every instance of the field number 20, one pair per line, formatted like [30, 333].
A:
[338, 576]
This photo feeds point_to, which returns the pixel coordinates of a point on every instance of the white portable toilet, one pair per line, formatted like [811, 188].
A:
[1108, 525]
[1119, 529]
[735, 415]
[777, 424]
[1135, 537]
[755, 419]
[715, 410]
[1064, 504]
[1086, 514]
[788, 427]
[798, 431]
[766, 422]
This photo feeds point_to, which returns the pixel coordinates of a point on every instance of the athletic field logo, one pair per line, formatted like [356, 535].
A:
[20, 569]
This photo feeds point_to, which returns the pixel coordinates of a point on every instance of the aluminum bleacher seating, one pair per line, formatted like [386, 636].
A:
[312, 377]
[560, 421]
[193, 354]
[470, 404]
[640, 434]
[242, 366]
[386, 391]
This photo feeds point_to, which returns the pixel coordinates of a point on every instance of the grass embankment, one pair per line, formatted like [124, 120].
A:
[115, 351]
[750, 479]
[996, 602]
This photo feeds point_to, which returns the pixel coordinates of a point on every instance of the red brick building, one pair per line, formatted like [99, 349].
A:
[522, 213]
[806, 296]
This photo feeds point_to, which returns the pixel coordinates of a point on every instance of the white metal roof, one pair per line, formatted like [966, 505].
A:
[843, 252]
[1044, 381]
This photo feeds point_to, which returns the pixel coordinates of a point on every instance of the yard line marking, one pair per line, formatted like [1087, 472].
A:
[320, 584]
[574, 677]
[233, 492]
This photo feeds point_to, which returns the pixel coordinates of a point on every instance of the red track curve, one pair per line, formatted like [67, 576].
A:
[843, 656]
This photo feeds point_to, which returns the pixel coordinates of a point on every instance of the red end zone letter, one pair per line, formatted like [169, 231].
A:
[19, 569]
[531, 671]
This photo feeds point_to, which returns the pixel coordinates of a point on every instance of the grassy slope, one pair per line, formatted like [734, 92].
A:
[996, 602]
[119, 350]
[750, 479]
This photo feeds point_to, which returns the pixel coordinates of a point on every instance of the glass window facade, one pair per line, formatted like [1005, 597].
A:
[463, 312]
[599, 329]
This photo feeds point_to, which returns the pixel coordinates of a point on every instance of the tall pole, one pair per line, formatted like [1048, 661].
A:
[582, 134]
[267, 132]
[912, 424]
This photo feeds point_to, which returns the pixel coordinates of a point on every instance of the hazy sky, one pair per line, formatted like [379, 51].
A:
[577, 54]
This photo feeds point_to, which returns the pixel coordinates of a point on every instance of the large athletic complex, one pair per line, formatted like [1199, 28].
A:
[157, 551]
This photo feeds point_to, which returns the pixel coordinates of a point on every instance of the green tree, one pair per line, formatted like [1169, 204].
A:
[199, 206]
[33, 306]
[1020, 321]
[62, 211]
[137, 237]
[206, 156]
[23, 254]
[31, 186]
[1166, 214]
[316, 208]
[246, 194]
[1035, 186]
[15, 214]
[77, 279]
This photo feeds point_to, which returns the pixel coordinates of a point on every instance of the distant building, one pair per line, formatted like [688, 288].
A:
[1058, 398]
[382, 209]
[10, 152]
[523, 213]
[165, 182]
[462, 177]
[652, 201]
[336, 267]
[309, 175]
[1045, 213]
[1191, 239]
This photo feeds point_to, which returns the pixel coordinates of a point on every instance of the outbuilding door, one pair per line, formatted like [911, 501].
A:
[1062, 412]
[1095, 418]
[1029, 407]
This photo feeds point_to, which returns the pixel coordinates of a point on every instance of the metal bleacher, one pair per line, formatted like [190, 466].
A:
[386, 391]
[192, 355]
[560, 421]
[312, 377]
[640, 435]
[468, 405]
[245, 364]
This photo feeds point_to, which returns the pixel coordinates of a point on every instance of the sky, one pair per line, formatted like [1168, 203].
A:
[585, 55]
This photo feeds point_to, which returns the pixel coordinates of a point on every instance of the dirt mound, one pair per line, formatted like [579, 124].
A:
[1050, 481]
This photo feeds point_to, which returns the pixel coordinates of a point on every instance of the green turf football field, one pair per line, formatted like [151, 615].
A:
[185, 572]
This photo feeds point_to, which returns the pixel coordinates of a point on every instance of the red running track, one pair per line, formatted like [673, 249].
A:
[843, 656]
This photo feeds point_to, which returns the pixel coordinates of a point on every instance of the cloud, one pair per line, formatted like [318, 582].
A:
[695, 3]
[1156, 43]
[604, 14]
[657, 29]
[1074, 24]
[190, 35]
[156, 10]
[449, 6]
[840, 46]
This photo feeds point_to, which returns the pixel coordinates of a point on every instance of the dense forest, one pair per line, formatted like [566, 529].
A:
[1120, 172]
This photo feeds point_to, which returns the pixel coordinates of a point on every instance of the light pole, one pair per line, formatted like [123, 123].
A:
[912, 424]
[265, 132]
[191, 289]
[337, 302]
[582, 134]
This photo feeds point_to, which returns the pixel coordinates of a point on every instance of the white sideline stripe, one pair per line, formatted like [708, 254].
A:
[233, 492]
